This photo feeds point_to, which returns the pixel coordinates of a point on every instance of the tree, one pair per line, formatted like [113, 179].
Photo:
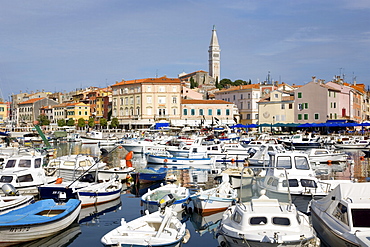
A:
[239, 82]
[224, 83]
[70, 122]
[61, 122]
[91, 122]
[192, 83]
[114, 122]
[81, 123]
[43, 120]
[103, 122]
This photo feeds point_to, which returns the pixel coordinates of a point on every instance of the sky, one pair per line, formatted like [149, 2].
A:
[59, 46]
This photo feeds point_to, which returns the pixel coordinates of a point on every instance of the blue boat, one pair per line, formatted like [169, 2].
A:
[41, 219]
[149, 175]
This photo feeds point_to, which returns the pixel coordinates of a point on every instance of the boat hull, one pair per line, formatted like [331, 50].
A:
[22, 230]
[94, 198]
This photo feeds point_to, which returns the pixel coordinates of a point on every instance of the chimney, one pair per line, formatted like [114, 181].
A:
[314, 79]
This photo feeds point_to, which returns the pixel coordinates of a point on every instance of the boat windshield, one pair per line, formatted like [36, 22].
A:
[360, 217]
[301, 163]
[25, 163]
[10, 164]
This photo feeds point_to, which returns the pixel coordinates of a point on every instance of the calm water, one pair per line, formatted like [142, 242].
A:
[94, 222]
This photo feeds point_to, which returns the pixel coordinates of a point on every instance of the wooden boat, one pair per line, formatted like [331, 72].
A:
[342, 217]
[265, 222]
[161, 228]
[149, 175]
[99, 192]
[216, 199]
[38, 220]
[152, 199]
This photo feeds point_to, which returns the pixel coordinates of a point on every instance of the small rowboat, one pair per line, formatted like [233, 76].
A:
[38, 220]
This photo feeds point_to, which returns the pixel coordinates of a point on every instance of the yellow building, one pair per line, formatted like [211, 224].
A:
[3, 112]
[78, 110]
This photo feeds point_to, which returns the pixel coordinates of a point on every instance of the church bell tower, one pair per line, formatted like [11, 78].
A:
[214, 56]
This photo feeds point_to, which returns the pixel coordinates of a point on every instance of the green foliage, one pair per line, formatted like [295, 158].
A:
[70, 122]
[109, 115]
[91, 122]
[103, 122]
[43, 120]
[192, 83]
[81, 122]
[61, 122]
[114, 122]
[226, 83]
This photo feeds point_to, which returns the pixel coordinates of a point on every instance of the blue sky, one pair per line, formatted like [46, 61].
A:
[64, 45]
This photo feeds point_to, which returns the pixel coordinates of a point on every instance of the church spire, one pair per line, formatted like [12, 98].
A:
[214, 56]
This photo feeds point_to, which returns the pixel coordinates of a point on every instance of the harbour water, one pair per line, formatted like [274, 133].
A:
[96, 221]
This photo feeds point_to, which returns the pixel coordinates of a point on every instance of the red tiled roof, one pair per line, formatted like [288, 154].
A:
[162, 79]
[31, 101]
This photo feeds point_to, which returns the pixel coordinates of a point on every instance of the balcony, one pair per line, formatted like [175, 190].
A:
[158, 117]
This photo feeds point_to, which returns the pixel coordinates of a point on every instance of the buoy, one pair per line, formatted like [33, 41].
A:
[362, 158]
[129, 155]
[165, 160]
[128, 163]
[59, 181]
[329, 162]
[232, 160]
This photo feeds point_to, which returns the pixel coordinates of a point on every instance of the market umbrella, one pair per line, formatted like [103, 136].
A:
[238, 126]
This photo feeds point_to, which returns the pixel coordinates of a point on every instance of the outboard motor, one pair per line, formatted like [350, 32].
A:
[104, 152]
[166, 201]
[9, 190]
[87, 178]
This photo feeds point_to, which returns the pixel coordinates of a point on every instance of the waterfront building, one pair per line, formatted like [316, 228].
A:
[206, 112]
[78, 110]
[245, 97]
[143, 102]
[29, 110]
[4, 112]
[314, 102]
[277, 107]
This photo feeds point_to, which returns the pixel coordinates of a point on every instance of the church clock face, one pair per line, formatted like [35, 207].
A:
[266, 114]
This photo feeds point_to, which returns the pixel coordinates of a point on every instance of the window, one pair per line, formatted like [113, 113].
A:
[248, 116]
[276, 95]
[174, 89]
[241, 96]
[306, 105]
[149, 88]
[218, 112]
[234, 97]
[162, 100]
[210, 112]
[161, 89]
[299, 95]
[174, 99]
[301, 163]
[299, 116]
[258, 220]
[192, 112]
[237, 217]
[334, 104]
[138, 100]
[227, 112]
[185, 112]
[282, 106]
[284, 162]
[281, 221]
[201, 113]
[317, 116]
[305, 116]
[359, 217]
[292, 183]
[149, 99]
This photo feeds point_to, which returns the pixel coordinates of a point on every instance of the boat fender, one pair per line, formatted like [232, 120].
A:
[221, 239]
[329, 162]
[59, 181]
[232, 161]
[165, 160]
[128, 163]
[129, 155]
[362, 158]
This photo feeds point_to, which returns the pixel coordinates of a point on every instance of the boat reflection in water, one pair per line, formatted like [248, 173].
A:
[62, 238]
[204, 224]
[92, 213]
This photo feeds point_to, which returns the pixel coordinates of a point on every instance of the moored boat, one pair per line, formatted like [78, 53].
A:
[38, 220]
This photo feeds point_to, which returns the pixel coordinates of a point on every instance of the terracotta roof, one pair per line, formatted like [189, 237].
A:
[162, 79]
[196, 101]
[241, 87]
[31, 101]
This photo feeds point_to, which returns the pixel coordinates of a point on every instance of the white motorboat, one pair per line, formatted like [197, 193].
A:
[25, 174]
[161, 228]
[261, 156]
[324, 160]
[70, 167]
[236, 178]
[141, 145]
[353, 144]
[265, 222]
[216, 199]
[96, 137]
[11, 202]
[303, 141]
[170, 161]
[301, 184]
[152, 199]
[342, 217]
[98, 193]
